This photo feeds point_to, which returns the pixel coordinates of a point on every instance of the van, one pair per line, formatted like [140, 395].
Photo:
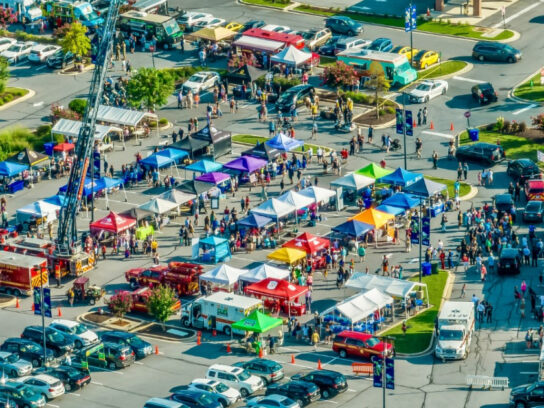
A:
[455, 326]
[493, 51]
[235, 377]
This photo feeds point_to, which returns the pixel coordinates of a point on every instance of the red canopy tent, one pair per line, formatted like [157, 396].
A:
[308, 243]
[113, 222]
[277, 289]
[64, 147]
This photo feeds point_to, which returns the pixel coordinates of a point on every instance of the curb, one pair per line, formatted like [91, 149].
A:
[85, 69]
[472, 193]
[462, 71]
[9, 303]
[29, 95]
[522, 100]
[515, 37]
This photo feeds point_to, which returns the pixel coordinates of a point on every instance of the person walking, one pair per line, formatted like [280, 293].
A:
[481, 310]
[419, 114]
[463, 290]
[489, 313]
[425, 114]
[361, 251]
[465, 170]
[370, 134]
[315, 339]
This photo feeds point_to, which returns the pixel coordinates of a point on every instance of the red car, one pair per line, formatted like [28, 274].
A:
[359, 344]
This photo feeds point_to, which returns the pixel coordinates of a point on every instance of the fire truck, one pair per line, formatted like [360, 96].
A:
[181, 276]
[20, 274]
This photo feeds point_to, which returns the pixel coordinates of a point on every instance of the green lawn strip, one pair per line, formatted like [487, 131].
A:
[253, 140]
[460, 30]
[269, 3]
[313, 10]
[444, 68]
[10, 94]
[421, 327]
[325, 61]
[532, 93]
[464, 188]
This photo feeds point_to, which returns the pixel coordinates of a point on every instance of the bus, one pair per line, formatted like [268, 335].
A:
[288, 39]
[165, 28]
[396, 67]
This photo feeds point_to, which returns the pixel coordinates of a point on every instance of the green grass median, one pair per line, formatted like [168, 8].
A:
[442, 69]
[269, 3]
[464, 188]
[531, 90]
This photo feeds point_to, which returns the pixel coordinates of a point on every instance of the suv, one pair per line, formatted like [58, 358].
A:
[60, 59]
[360, 344]
[22, 394]
[316, 37]
[480, 152]
[235, 377]
[13, 365]
[504, 202]
[493, 51]
[528, 395]
[302, 392]
[75, 331]
[533, 211]
[350, 44]
[268, 370]
[330, 383]
[28, 350]
[509, 262]
[343, 25]
[294, 95]
[141, 347]
[522, 169]
[117, 355]
[53, 339]
[484, 93]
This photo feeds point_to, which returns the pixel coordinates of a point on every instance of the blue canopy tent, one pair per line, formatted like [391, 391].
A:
[284, 143]
[157, 161]
[255, 220]
[10, 169]
[390, 209]
[56, 200]
[204, 166]
[402, 200]
[401, 177]
[214, 249]
[353, 228]
[89, 187]
[174, 154]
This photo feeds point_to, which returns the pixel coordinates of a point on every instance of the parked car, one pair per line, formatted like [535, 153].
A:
[17, 51]
[522, 170]
[528, 395]
[210, 22]
[252, 24]
[302, 392]
[495, 51]
[480, 152]
[60, 59]
[484, 93]
[509, 262]
[118, 355]
[39, 53]
[235, 377]
[200, 82]
[162, 403]
[225, 394]
[7, 402]
[46, 385]
[13, 365]
[195, 399]
[6, 42]
[273, 401]
[404, 50]
[316, 37]
[234, 26]
[381, 44]
[140, 347]
[22, 395]
[534, 190]
[71, 377]
[28, 350]
[190, 18]
[75, 331]
[350, 44]
[343, 25]
[427, 90]
[269, 370]
[533, 211]
[357, 344]
[504, 203]
[53, 339]
[330, 382]
[425, 58]
[276, 28]
[329, 47]
[294, 95]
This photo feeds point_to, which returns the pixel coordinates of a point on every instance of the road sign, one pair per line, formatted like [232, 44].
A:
[400, 121]
[389, 373]
[503, 11]
[409, 123]
[410, 18]
[467, 114]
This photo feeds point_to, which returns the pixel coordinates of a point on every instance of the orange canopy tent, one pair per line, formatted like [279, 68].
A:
[309, 243]
[373, 217]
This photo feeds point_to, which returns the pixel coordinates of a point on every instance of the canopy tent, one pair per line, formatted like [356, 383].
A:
[319, 194]
[113, 222]
[90, 186]
[425, 188]
[246, 164]
[257, 322]
[123, 117]
[373, 217]
[71, 128]
[353, 182]
[58, 200]
[308, 243]
[401, 200]
[219, 141]
[157, 161]
[284, 143]
[64, 147]
[194, 187]
[223, 275]
[353, 228]
[108, 182]
[361, 306]
[374, 171]
[204, 166]
[245, 74]
[214, 34]
[258, 44]
[177, 196]
[194, 147]
[291, 56]
[263, 151]
[277, 289]
[287, 255]
[9, 169]
[137, 213]
[274, 208]
[295, 199]
[213, 177]
[158, 206]
[401, 177]
[174, 154]
[264, 271]
[216, 249]
[28, 157]
[389, 209]
[38, 209]
[255, 220]
[390, 286]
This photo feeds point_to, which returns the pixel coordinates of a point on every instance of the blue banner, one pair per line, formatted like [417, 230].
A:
[37, 302]
[46, 302]
[409, 123]
[389, 373]
[410, 18]
[400, 122]
[426, 230]
[414, 225]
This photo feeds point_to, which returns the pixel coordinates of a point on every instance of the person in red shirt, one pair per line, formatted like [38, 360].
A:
[443, 259]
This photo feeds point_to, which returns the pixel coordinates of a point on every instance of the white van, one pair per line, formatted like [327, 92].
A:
[235, 377]
[454, 330]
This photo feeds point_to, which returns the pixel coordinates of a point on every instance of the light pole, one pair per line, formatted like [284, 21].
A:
[404, 127]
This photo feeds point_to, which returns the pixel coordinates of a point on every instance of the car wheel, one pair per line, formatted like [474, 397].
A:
[68, 387]
[244, 393]
[133, 284]
[224, 403]
[426, 99]
[444, 91]
[227, 330]
[8, 291]
[185, 322]
[511, 60]
[45, 397]
[112, 365]
[343, 353]
[35, 363]
[480, 101]
[351, 33]
[481, 58]
[265, 381]
[300, 403]
[92, 301]
[78, 344]
[326, 394]
[520, 404]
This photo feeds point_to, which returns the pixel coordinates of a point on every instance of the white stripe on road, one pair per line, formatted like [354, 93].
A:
[75, 395]
[476, 81]
[96, 383]
[40, 68]
[52, 405]
[534, 105]
[427, 132]
[516, 15]
[138, 362]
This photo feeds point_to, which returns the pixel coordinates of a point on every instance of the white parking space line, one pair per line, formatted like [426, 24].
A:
[96, 383]
[534, 105]
[74, 394]
[52, 405]
[136, 362]
[427, 132]
[475, 81]
[37, 104]
[516, 15]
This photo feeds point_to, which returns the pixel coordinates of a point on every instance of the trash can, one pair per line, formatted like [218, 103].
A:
[426, 268]
[434, 268]
[474, 134]
[49, 148]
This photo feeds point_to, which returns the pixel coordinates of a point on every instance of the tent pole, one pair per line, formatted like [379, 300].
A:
[107, 200]
[124, 192]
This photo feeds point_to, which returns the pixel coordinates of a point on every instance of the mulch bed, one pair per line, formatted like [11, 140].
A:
[98, 318]
[534, 135]
[369, 118]
[156, 330]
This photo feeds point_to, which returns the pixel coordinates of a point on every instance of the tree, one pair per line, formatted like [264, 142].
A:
[4, 74]
[78, 105]
[378, 82]
[76, 41]
[120, 303]
[150, 87]
[340, 75]
[160, 303]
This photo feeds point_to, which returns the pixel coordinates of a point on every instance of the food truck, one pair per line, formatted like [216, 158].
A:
[252, 50]
[25, 10]
[20, 274]
[67, 11]
[165, 29]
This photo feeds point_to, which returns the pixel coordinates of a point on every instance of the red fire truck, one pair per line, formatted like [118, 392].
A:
[181, 276]
[20, 274]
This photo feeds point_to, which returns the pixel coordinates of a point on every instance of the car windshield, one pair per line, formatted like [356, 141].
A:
[135, 341]
[220, 387]
[204, 399]
[533, 207]
[197, 78]
[79, 329]
[419, 55]
[308, 35]
[27, 392]
[450, 335]
[33, 348]
[536, 189]
[339, 379]
[423, 87]
[243, 376]
[403, 67]
[286, 97]
[56, 337]
[13, 358]
[15, 48]
[372, 342]
[171, 27]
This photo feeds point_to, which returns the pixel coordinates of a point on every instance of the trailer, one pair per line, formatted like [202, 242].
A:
[20, 274]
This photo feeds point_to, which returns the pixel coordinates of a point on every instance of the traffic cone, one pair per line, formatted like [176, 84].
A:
[156, 349]
[261, 353]
[59, 312]
[319, 365]
[214, 333]
[432, 125]
[451, 127]
[228, 348]
[198, 341]
[414, 125]
[33, 307]
[199, 334]
[17, 303]
[292, 359]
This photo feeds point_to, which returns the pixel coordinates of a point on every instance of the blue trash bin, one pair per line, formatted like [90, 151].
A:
[49, 148]
[474, 134]
[426, 268]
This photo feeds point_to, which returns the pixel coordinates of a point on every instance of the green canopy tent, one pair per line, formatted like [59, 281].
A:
[257, 322]
[374, 171]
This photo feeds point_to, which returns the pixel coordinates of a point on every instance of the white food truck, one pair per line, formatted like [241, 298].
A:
[454, 330]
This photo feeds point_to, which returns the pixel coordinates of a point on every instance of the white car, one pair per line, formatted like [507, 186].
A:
[6, 42]
[200, 82]
[40, 53]
[211, 22]
[427, 90]
[203, 384]
[46, 385]
[190, 18]
[235, 377]
[11, 364]
[276, 28]
[75, 331]
[18, 51]
[273, 401]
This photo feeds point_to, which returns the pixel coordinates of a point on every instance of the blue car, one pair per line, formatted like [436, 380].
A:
[343, 25]
[381, 44]
[196, 399]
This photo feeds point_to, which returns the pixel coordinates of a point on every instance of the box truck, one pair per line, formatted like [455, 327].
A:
[454, 330]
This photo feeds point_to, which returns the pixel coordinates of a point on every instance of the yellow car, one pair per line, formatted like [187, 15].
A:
[402, 50]
[234, 26]
[425, 58]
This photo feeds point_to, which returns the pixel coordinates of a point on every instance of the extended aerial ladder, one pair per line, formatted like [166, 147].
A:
[67, 231]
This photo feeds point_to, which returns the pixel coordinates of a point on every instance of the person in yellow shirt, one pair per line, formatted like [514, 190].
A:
[315, 339]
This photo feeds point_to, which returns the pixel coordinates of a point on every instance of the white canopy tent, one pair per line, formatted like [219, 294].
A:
[353, 181]
[264, 271]
[291, 56]
[36, 210]
[274, 208]
[123, 117]
[223, 275]
[71, 128]
[297, 200]
[176, 196]
[319, 194]
[158, 206]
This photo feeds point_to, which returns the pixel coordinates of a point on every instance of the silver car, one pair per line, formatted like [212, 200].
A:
[44, 384]
[14, 366]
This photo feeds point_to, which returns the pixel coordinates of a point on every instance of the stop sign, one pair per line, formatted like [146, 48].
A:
[467, 114]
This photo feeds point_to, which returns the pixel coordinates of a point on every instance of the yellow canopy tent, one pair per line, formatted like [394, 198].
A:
[214, 34]
[287, 255]
[373, 217]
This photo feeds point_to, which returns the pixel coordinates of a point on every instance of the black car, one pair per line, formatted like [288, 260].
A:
[504, 202]
[494, 51]
[293, 96]
[522, 169]
[528, 395]
[28, 350]
[480, 152]
[484, 93]
[509, 262]
[533, 211]
[343, 25]
[330, 383]
[269, 370]
[329, 47]
[71, 377]
[60, 59]
[140, 347]
[59, 343]
[302, 392]
[195, 399]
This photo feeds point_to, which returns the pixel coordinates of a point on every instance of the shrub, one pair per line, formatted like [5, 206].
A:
[163, 122]
[381, 112]
[490, 127]
[390, 110]
[78, 105]
[500, 123]
[120, 303]
[152, 123]
[538, 121]
[514, 127]
[507, 128]
[339, 75]
[43, 131]
[62, 30]
[522, 127]
[22, 36]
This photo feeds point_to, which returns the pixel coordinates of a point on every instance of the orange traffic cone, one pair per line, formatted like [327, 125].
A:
[432, 125]
[414, 125]
[319, 365]
[33, 307]
[156, 349]
[59, 312]
[451, 127]
[198, 341]
[214, 333]
[199, 334]
[17, 303]
[228, 348]
[292, 359]
[261, 353]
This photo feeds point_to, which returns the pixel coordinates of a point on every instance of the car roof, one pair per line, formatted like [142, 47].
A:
[65, 322]
[5, 353]
[355, 335]
[274, 397]
[524, 162]
[345, 40]
[44, 377]
[226, 368]
[115, 345]
[164, 402]
[503, 197]
[509, 252]
[192, 393]
[204, 381]
[120, 334]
